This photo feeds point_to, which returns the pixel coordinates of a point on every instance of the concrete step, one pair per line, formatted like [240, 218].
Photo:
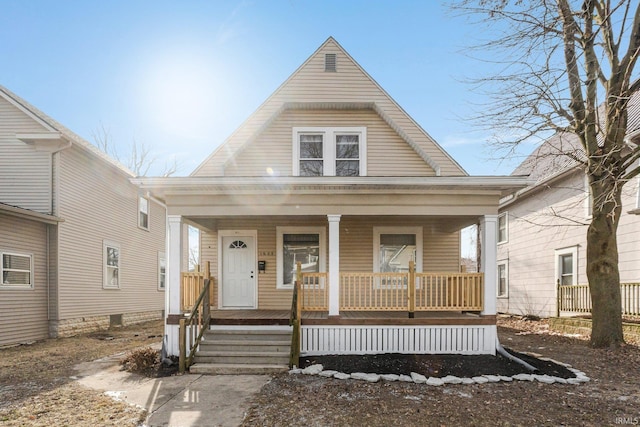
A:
[246, 346]
[236, 369]
[242, 357]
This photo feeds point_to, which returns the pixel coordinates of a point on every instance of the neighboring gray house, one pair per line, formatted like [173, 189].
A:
[542, 228]
[81, 247]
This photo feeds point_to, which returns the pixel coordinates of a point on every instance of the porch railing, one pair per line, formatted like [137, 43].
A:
[193, 327]
[397, 291]
[577, 299]
[192, 283]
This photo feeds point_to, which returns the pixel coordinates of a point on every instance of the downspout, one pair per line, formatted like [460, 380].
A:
[510, 356]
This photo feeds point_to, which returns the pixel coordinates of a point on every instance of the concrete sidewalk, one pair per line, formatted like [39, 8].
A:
[182, 400]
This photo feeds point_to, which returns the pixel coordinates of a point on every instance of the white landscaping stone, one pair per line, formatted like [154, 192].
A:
[372, 378]
[492, 378]
[405, 379]
[327, 374]
[418, 378]
[546, 379]
[523, 377]
[583, 378]
[342, 376]
[573, 381]
[450, 379]
[560, 380]
[435, 381]
[313, 370]
[295, 371]
[505, 378]
[390, 377]
[480, 380]
[467, 381]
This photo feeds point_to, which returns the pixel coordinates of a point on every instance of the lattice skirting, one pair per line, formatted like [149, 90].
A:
[316, 340]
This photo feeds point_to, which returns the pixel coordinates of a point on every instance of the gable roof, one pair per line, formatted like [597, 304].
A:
[364, 93]
[53, 130]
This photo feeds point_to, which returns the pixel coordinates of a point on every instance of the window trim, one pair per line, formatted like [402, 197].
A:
[504, 263]
[504, 215]
[329, 147]
[162, 259]
[573, 250]
[377, 231]
[29, 286]
[105, 280]
[280, 232]
[148, 213]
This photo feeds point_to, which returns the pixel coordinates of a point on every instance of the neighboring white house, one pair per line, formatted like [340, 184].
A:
[332, 172]
[542, 238]
[81, 247]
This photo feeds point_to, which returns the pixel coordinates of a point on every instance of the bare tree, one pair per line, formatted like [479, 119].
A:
[139, 159]
[568, 67]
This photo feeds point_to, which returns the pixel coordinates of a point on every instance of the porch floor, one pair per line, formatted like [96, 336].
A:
[281, 317]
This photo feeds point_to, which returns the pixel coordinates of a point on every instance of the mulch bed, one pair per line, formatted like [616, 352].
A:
[438, 365]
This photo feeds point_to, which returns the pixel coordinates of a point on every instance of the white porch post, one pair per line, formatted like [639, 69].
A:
[334, 264]
[488, 261]
[174, 268]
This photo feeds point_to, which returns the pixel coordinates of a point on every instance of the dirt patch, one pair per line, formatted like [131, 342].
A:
[611, 397]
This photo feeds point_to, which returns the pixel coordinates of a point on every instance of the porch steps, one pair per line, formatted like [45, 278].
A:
[243, 350]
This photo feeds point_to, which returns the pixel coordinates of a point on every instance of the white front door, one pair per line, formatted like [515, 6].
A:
[238, 272]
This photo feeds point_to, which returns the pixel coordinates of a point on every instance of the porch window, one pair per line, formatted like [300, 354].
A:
[396, 250]
[503, 227]
[143, 213]
[299, 244]
[566, 266]
[503, 279]
[17, 270]
[111, 260]
[328, 151]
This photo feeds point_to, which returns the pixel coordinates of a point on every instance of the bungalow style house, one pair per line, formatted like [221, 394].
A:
[330, 174]
[542, 237]
[81, 247]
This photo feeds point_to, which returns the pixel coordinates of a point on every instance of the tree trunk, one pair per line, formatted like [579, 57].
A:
[602, 264]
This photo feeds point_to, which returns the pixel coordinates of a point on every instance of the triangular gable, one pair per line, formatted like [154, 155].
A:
[329, 89]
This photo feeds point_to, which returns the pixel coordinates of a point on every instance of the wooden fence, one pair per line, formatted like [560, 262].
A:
[577, 299]
[191, 286]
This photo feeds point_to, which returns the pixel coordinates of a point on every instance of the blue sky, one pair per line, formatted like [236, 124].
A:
[180, 76]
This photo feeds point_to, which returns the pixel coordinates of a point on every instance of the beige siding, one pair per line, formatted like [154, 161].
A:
[98, 203]
[23, 313]
[311, 84]
[546, 221]
[440, 249]
[387, 154]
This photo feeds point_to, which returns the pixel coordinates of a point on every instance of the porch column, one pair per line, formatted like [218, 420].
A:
[488, 261]
[174, 268]
[334, 264]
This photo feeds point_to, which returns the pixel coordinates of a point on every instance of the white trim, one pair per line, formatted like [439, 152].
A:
[504, 263]
[239, 233]
[280, 231]
[162, 261]
[572, 250]
[377, 231]
[105, 276]
[148, 213]
[488, 261]
[334, 264]
[329, 147]
[504, 215]
[17, 286]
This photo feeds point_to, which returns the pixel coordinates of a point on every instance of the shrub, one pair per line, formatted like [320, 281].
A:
[141, 361]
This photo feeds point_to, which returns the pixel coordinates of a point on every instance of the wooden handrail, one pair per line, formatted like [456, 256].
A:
[295, 319]
[199, 319]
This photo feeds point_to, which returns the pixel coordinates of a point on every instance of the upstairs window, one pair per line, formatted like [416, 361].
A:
[143, 213]
[329, 151]
[17, 270]
[503, 227]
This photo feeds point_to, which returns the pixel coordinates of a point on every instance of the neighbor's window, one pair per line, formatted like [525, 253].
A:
[299, 244]
[329, 151]
[567, 266]
[503, 279]
[17, 270]
[162, 271]
[143, 212]
[503, 227]
[111, 254]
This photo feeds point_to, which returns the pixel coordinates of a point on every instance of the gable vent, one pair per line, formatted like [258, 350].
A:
[330, 62]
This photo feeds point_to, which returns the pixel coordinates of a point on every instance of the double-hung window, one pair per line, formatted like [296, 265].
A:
[305, 245]
[329, 151]
[17, 270]
[394, 248]
[503, 279]
[143, 213]
[111, 261]
[503, 227]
